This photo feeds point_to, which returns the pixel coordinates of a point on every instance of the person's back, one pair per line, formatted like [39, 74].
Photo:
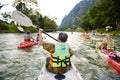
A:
[37, 38]
[109, 42]
[59, 60]
[27, 37]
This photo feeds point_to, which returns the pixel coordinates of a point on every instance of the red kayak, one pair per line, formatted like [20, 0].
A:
[114, 64]
[27, 44]
[113, 60]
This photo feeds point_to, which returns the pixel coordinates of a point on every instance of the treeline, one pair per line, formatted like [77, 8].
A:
[6, 27]
[105, 13]
[40, 21]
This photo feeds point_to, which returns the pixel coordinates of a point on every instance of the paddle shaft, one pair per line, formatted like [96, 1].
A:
[49, 36]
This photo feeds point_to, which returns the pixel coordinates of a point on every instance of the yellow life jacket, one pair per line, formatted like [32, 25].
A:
[61, 57]
[110, 48]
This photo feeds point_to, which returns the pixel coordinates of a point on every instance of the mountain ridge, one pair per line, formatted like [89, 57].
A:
[75, 15]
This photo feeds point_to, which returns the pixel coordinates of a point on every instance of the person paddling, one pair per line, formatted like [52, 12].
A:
[107, 46]
[107, 43]
[28, 37]
[37, 38]
[58, 61]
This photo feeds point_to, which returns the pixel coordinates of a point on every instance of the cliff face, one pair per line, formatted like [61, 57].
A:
[77, 12]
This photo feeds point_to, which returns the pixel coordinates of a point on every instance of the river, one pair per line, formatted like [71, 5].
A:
[25, 64]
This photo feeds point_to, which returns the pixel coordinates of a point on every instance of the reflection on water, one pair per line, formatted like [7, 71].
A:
[25, 64]
[27, 49]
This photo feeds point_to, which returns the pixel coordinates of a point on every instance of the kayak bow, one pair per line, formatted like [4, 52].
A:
[27, 44]
[72, 74]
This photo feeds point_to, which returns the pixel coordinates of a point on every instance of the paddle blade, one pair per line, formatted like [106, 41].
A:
[20, 29]
[21, 18]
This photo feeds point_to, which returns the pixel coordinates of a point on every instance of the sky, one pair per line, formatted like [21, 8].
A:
[55, 9]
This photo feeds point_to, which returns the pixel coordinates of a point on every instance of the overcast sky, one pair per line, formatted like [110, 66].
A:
[55, 9]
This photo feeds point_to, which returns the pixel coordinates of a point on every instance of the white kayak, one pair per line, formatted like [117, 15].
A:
[72, 74]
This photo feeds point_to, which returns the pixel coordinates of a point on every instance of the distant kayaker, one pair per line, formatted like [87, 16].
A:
[37, 38]
[28, 37]
[58, 61]
[85, 35]
[107, 43]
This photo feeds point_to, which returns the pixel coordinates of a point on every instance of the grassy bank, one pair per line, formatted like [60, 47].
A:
[110, 31]
[12, 28]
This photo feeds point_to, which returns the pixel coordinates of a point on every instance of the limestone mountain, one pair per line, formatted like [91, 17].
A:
[73, 18]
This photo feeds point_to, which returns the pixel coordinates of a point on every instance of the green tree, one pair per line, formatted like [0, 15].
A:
[35, 16]
[104, 13]
[49, 24]
[6, 16]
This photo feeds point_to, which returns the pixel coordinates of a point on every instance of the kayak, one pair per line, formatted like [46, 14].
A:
[72, 74]
[105, 51]
[114, 65]
[108, 52]
[27, 44]
[109, 60]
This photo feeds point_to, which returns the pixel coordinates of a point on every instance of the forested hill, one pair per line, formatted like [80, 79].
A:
[72, 19]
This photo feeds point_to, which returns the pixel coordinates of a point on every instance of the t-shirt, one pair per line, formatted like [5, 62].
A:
[27, 36]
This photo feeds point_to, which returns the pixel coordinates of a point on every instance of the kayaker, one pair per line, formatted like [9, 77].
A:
[58, 61]
[107, 43]
[28, 37]
[37, 38]
[85, 35]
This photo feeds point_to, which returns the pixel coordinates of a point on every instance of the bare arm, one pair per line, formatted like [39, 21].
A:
[50, 47]
[40, 37]
[47, 46]
[71, 52]
[32, 38]
[102, 44]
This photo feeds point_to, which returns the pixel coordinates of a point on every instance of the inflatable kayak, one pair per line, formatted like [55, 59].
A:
[27, 44]
[109, 60]
[72, 74]
[108, 52]
[114, 64]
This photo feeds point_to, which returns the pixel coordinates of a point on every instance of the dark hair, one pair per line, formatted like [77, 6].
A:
[28, 32]
[63, 37]
[37, 34]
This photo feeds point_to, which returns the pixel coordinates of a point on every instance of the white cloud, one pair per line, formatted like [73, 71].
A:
[56, 8]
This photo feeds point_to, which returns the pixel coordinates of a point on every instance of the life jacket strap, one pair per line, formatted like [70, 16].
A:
[66, 61]
[109, 48]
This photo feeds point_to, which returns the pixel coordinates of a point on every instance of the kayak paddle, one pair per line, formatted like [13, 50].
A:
[22, 19]
[20, 29]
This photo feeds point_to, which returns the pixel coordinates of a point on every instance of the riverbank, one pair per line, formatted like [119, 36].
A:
[110, 31]
[12, 28]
